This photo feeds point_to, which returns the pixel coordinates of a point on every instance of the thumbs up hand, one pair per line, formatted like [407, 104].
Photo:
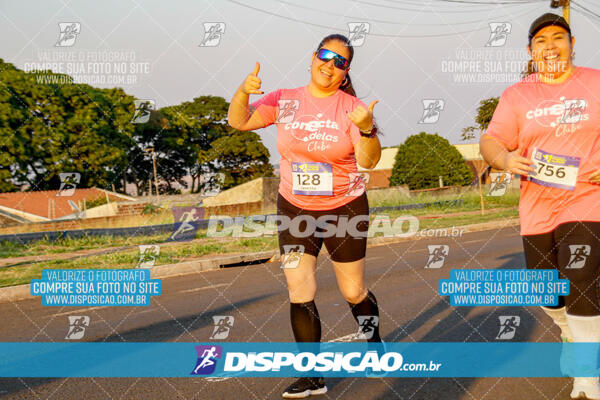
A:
[362, 117]
[252, 83]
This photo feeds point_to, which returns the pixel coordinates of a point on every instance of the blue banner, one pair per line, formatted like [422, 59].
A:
[224, 359]
[503, 287]
[95, 287]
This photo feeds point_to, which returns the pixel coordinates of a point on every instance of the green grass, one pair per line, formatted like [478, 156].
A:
[377, 198]
[19, 275]
[470, 198]
[45, 246]
[179, 252]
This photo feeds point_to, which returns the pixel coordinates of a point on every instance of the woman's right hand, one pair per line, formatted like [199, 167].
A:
[515, 163]
[252, 83]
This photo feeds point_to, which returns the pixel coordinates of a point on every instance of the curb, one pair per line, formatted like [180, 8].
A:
[22, 292]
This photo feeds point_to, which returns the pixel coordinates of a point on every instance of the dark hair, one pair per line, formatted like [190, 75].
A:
[346, 85]
[531, 65]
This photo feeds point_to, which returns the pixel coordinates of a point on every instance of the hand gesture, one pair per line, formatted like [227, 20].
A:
[362, 117]
[515, 163]
[252, 83]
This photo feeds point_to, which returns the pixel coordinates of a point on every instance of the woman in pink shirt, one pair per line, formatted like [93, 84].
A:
[323, 131]
[546, 129]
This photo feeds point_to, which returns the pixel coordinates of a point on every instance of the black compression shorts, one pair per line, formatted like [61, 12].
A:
[341, 239]
[573, 248]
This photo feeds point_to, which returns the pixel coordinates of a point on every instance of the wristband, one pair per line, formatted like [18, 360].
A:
[371, 134]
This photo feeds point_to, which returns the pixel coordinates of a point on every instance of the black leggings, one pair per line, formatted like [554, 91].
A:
[573, 248]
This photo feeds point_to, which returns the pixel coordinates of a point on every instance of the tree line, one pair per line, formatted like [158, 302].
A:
[52, 128]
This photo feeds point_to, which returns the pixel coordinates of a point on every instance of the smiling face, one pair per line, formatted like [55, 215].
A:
[551, 49]
[324, 75]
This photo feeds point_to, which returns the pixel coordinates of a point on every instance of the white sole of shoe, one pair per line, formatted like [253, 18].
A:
[306, 393]
[581, 396]
[584, 390]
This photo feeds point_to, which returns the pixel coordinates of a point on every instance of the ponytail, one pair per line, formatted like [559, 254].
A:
[347, 87]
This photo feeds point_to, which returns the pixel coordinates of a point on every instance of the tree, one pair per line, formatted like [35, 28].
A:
[241, 156]
[49, 128]
[423, 158]
[485, 112]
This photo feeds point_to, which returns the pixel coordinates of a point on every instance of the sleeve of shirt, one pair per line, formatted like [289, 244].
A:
[354, 130]
[504, 125]
[268, 107]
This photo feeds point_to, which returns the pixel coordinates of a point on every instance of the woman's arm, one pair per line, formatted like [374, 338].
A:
[367, 149]
[241, 116]
[368, 152]
[496, 154]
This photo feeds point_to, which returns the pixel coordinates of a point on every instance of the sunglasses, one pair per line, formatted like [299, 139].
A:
[339, 61]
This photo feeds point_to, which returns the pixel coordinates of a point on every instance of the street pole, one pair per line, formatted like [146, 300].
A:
[155, 181]
[566, 6]
[151, 149]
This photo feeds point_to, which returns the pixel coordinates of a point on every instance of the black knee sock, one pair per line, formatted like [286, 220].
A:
[367, 307]
[305, 322]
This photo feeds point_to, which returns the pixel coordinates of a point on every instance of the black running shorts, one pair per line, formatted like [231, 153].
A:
[345, 238]
[574, 249]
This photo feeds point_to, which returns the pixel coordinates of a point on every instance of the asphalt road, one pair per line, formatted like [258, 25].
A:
[256, 296]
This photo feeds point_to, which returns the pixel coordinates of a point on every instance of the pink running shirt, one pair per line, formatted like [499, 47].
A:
[316, 141]
[561, 124]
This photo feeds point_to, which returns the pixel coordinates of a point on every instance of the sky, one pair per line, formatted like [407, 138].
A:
[414, 51]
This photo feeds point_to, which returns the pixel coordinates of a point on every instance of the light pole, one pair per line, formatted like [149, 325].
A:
[151, 149]
[566, 6]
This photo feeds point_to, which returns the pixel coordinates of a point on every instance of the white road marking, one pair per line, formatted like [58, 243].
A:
[217, 379]
[204, 288]
[347, 338]
[76, 311]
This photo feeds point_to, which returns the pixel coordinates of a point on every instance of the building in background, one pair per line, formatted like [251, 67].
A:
[380, 175]
[48, 205]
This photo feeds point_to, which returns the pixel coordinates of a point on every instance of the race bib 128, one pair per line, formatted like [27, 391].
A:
[312, 178]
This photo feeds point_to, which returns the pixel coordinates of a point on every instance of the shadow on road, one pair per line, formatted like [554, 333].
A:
[162, 331]
[464, 324]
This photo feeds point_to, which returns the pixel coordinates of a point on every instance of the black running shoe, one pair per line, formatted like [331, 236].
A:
[305, 387]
